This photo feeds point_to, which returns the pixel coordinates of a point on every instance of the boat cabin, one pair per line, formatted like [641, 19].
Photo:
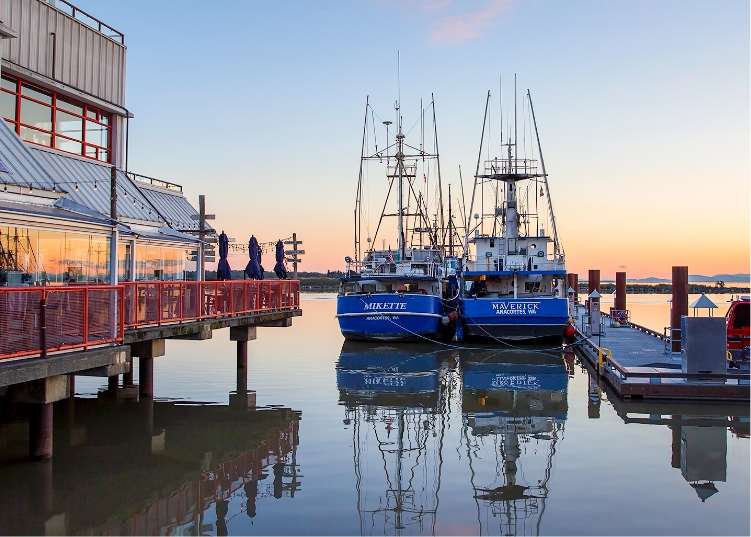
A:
[516, 267]
[383, 271]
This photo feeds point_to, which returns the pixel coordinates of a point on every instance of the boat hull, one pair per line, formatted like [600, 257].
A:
[391, 317]
[514, 319]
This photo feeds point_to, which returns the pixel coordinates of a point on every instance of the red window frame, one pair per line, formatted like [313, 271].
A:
[98, 117]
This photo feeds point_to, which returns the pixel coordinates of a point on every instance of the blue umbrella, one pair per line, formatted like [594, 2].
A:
[253, 268]
[279, 269]
[223, 271]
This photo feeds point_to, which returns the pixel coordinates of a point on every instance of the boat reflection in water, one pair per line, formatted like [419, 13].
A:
[395, 399]
[514, 410]
[124, 467]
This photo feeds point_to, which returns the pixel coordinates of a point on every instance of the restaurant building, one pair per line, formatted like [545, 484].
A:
[63, 160]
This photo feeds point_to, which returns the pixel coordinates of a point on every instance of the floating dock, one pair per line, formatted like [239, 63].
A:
[638, 363]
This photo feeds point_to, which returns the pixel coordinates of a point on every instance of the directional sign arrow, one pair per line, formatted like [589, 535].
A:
[205, 217]
[294, 252]
[293, 242]
[294, 260]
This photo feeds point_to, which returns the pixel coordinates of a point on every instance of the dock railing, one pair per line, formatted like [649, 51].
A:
[153, 303]
[39, 320]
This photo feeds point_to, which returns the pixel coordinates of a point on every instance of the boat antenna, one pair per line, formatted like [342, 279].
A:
[500, 106]
[515, 133]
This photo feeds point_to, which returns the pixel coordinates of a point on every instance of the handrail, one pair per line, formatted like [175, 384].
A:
[91, 21]
[156, 303]
[39, 320]
[167, 185]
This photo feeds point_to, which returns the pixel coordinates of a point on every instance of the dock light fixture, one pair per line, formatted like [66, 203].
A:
[5, 187]
[76, 187]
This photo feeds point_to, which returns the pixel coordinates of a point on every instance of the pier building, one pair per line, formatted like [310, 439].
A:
[98, 263]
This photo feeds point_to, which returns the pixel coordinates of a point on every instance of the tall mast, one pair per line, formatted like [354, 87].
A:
[515, 147]
[400, 186]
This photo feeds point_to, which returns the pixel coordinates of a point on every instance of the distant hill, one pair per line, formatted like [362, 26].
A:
[727, 278]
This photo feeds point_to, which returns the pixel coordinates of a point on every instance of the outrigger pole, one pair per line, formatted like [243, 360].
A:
[556, 243]
[438, 163]
[477, 172]
[358, 199]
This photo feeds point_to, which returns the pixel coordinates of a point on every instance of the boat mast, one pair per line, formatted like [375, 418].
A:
[400, 186]
[556, 243]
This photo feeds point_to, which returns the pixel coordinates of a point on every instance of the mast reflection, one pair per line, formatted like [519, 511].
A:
[514, 409]
[395, 400]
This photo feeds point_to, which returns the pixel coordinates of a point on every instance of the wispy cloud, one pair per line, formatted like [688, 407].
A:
[465, 26]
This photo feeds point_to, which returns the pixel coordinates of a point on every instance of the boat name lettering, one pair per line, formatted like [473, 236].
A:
[515, 381]
[516, 308]
[386, 306]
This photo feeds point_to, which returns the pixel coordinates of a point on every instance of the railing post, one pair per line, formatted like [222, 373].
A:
[181, 298]
[85, 319]
[43, 325]
[158, 303]
[121, 298]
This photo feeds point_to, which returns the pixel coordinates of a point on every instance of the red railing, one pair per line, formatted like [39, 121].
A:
[38, 320]
[159, 302]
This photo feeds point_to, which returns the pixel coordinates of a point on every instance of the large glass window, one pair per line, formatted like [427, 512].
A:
[46, 118]
[124, 257]
[41, 257]
[163, 263]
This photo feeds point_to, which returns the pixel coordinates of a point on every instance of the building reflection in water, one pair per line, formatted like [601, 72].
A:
[123, 467]
[514, 410]
[699, 435]
[396, 402]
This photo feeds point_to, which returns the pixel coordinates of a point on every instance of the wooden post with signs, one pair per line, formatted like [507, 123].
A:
[295, 252]
[202, 217]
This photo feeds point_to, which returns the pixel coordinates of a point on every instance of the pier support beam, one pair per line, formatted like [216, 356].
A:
[678, 306]
[113, 381]
[40, 395]
[242, 334]
[128, 375]
[620, 291]
[146, 351]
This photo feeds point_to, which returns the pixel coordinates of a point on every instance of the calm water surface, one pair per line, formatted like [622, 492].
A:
[409, 440]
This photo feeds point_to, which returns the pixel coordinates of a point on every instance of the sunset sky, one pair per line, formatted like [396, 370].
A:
[643, 108]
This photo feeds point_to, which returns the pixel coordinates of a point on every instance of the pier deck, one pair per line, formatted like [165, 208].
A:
[633, 360]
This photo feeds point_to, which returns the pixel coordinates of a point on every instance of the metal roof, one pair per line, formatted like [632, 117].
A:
[93, 181]
[22, 167]
[52, 211]
[703, 302]
[173, 207]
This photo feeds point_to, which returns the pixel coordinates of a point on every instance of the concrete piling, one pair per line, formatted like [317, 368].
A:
[679, 305]
[146, 376]
[40, 431]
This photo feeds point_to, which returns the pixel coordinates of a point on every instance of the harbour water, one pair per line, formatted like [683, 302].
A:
[444, 441]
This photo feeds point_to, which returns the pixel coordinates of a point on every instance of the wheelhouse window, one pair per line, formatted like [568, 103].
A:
[52, 120]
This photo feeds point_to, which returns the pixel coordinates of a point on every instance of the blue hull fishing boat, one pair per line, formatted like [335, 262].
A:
[514, 272]
[397, 295]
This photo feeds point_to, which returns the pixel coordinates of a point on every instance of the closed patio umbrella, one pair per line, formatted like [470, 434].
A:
[223, 271]
[253, 269]
[279, 269]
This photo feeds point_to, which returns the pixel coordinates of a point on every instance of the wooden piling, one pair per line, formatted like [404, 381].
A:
[679, 305]
[620, 291]
[593, 281]
[572, 280]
